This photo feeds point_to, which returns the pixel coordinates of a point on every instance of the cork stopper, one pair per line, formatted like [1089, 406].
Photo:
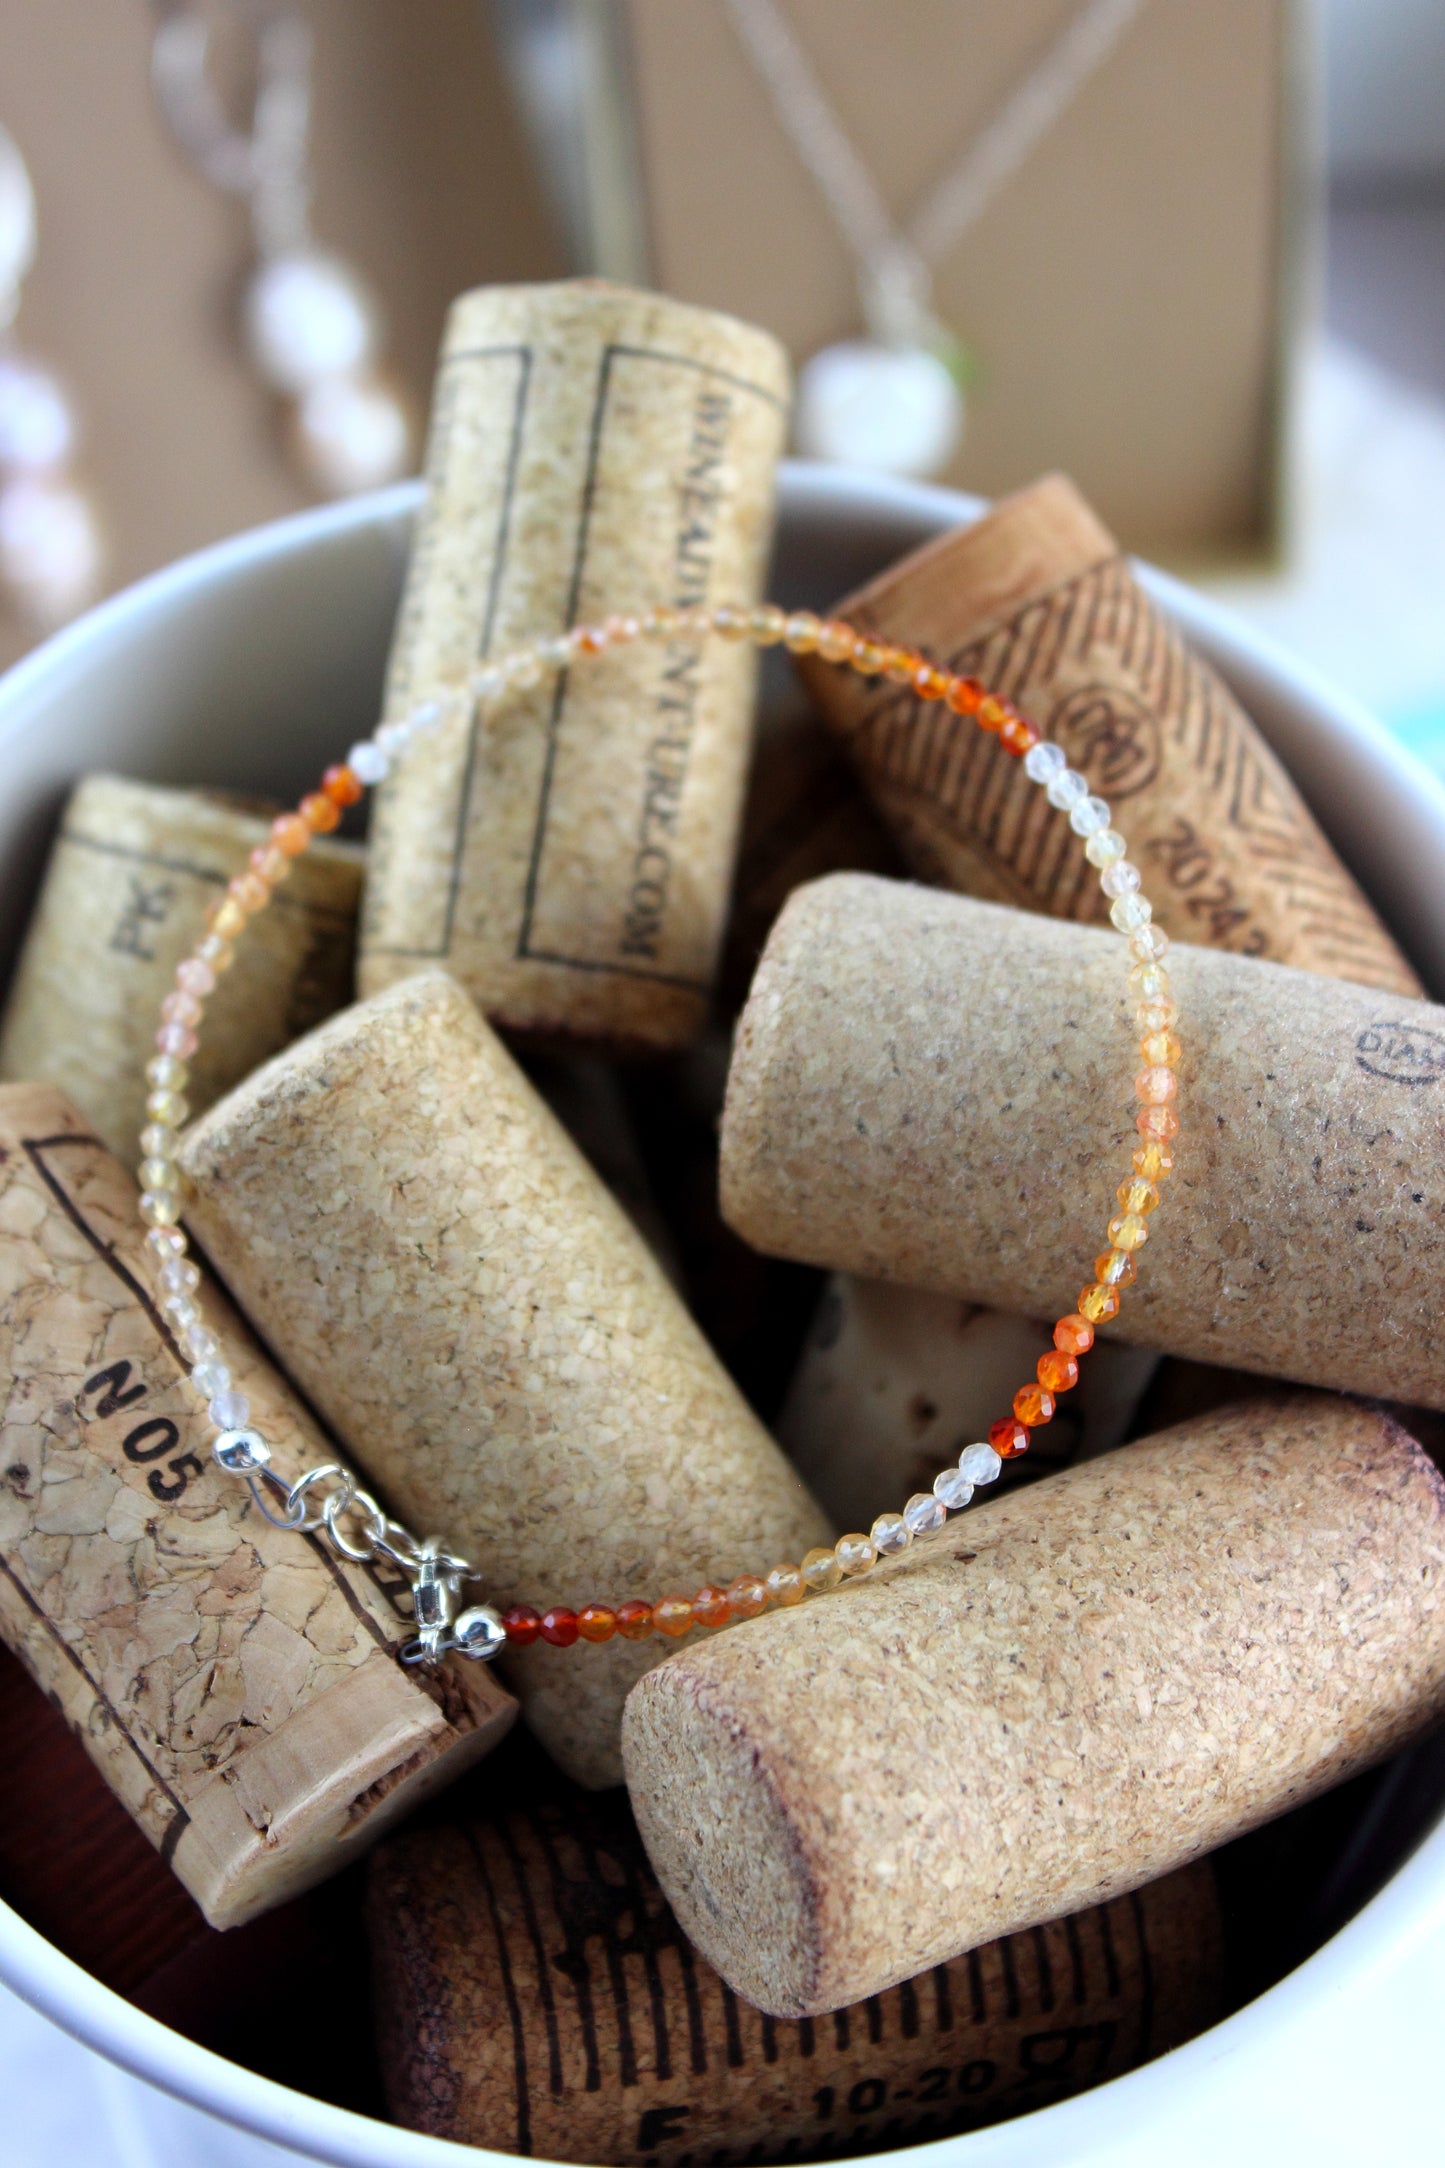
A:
[893, 1382]
[593, 450]
[236, 1685]
[1037, 601]
[488, 1335]
[131, 876]
[939, 1092]
[1057, 1698]
[536, 1994]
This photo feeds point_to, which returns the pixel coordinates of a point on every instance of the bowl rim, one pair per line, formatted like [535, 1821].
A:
[1169, 2098]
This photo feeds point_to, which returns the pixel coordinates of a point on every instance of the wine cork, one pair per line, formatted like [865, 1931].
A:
[131, 877]
[1058, 1698]
[568, 856]
[1037, 601]
[938, 1092]
[536, 1994]
[893, 1382]
[236, 1684]
[489, 1336]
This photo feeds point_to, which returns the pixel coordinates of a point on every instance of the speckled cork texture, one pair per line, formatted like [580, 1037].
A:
[488, 1335]
[940, 1092]
[1059, 1697]
[132, 874]
[234, 1684]
[535, 1993]
[568, 857]
[1038, 602]
[893, 1382]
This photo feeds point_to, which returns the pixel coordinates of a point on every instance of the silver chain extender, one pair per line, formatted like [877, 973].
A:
[316, 1504]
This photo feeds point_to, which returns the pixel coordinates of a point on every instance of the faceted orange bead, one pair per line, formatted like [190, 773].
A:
[929, 682]
[1017, 737]
[559, 1626]
[634, 1619]
[1153, 1161]
[1156, 1015]
[836, 641]
[710, 1606]
[672, 1615]
[1128, 1231]
[250, 891]
[1058, 1371]
[747, 1595]
[291, 834]
[1155, 1086]
[1115, 1268]
[1074, 1335]
[320, 813]
[1160, 1123]
[1008, 1438]
[1098, 1304]
[869, 657]
[902, 664]
[1138, 1195]
[269, 864]
[227, 918]
[785, 1584]
[596, 1622]
[964, 695]
[1033, 1405]
[1160, 1049]
[993, 713]
[342, 785]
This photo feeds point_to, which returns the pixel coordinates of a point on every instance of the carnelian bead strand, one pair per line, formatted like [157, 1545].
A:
[370, 761]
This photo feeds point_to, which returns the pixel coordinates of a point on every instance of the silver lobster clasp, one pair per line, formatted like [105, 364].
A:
[436, 1583]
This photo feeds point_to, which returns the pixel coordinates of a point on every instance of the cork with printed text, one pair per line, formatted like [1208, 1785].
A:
[535, 1993]
[939, 1092]
[131, 876]
[1038, 602]
[567, 855]
[236, 1684]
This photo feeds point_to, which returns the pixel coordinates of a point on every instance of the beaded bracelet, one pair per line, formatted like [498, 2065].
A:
[328, 1498]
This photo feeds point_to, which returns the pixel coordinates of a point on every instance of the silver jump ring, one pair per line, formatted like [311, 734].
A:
[352, 1499]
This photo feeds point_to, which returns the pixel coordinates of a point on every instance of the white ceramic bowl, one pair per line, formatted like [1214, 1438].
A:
[254, 663]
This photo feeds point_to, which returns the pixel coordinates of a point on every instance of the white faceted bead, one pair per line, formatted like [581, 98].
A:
[211, 1377]
[182, 1312]
[425, 716]
[1102, 849]
[308, 318]
[1089, 816]
[1067, 789]
[352, 433]
[897, 410]
[230, 1410]
[1120, 879]
[980, 1463]
[393, 739]
[368, 763]
[891, 1533]
[923, 1513]
[37, 428]
[179, 1276]
[50, 549]
[1149, 944]
[1129, 913]
[201, 1343]
[1042, 762]
[953, 1487]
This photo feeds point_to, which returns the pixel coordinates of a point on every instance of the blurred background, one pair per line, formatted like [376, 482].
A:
[1213, 289]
